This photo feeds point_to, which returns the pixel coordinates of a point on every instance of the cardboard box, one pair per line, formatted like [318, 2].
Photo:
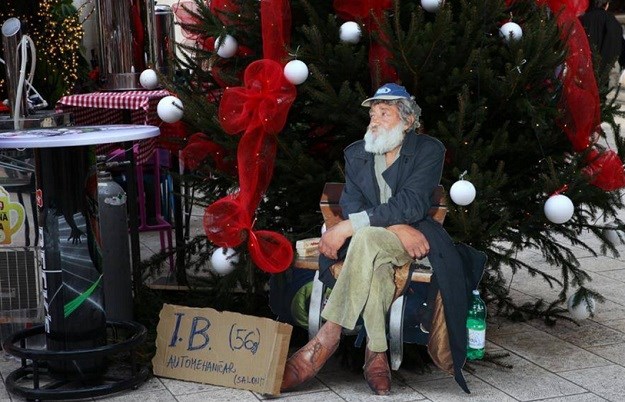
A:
[221, 348]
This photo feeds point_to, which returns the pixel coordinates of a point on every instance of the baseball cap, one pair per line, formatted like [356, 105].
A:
[388, 91]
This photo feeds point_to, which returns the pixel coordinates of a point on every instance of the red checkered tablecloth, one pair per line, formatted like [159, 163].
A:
[128, 107]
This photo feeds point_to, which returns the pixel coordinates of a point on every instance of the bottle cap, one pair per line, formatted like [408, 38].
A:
[476, 292]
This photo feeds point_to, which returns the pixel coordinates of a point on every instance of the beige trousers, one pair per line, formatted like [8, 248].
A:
[365, 285]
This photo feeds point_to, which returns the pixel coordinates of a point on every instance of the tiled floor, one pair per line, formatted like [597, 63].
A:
[564, 363]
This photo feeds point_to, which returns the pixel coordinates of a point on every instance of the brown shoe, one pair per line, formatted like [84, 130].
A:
[306, 363]
[377, 372]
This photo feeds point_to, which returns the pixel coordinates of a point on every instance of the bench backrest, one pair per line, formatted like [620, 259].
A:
[331, 210]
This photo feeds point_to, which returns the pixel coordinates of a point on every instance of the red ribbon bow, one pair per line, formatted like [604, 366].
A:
[262, 103]
[198, 148]
[605, 170]
[258, 109]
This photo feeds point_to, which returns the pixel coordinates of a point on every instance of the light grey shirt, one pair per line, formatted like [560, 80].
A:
[361, 219]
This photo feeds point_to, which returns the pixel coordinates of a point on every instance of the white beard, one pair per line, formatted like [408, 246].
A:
[384, 140]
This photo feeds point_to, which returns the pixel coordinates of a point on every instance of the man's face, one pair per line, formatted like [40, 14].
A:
[386, 129]
[385, 116]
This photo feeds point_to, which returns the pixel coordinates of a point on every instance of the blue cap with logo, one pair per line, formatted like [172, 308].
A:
[388, 91]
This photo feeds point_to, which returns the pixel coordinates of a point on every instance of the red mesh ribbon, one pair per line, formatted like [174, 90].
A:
[198, 148]
[576, 7]
[223, 9]
[276, 28]
[258, 109]
[580, 95]
[263, 101]
[378, 55]
[605, 170]
[367, 11]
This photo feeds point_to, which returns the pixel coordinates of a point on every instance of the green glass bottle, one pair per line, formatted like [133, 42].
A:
[476, 327]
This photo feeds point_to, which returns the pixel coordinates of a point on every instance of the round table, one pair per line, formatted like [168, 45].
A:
[69, 233]
[56, 137]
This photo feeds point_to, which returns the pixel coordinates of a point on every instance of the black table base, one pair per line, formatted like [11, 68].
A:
[121, 374]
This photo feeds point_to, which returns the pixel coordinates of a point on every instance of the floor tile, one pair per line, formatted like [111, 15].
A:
[178, 387]
[352, 387]
[498, 326]
[614, 353]
[609, 311]
[587, 334]
[147, 396]
[618, 325]
[446, 390]
[325, 396]
[616, 274]
[221, 394]
[585, 397]
[601, 263]
[314, 386]
[526, 381]
[607, 382]
[548, 351]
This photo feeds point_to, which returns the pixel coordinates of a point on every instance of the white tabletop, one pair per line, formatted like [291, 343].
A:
[75, 136]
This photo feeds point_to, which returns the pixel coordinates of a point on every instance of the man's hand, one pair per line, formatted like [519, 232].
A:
[333, 238]
[413, 240]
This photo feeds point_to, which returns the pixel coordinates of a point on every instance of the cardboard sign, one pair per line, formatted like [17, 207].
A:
[221, 348]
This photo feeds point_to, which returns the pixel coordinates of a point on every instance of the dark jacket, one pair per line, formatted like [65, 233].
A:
[412, 178]
[605, 34]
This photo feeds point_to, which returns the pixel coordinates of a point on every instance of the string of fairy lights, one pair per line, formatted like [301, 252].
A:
[57, 36]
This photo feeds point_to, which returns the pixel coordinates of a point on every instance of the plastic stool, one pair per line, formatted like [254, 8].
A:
[160, 224]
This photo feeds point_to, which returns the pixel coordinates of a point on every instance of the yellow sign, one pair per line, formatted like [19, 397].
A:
[11, 217]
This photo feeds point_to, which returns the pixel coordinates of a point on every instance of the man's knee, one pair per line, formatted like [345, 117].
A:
[368, 233]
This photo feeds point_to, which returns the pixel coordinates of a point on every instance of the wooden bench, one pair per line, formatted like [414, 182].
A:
[331, 211]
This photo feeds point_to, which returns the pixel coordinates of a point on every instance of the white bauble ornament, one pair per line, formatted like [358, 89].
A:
[559, 208]
[223, 260]
[431, 6]
[511, 31]
[169, 109]
[228, 48]
[462, 192]
[148, 79]
[296, 72]
[583, 310]
[350, 32]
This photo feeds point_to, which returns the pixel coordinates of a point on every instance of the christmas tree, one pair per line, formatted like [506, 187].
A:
[56, 30]
[508, 87]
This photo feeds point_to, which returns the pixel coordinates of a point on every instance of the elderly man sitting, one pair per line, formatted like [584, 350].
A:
[390, 177]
